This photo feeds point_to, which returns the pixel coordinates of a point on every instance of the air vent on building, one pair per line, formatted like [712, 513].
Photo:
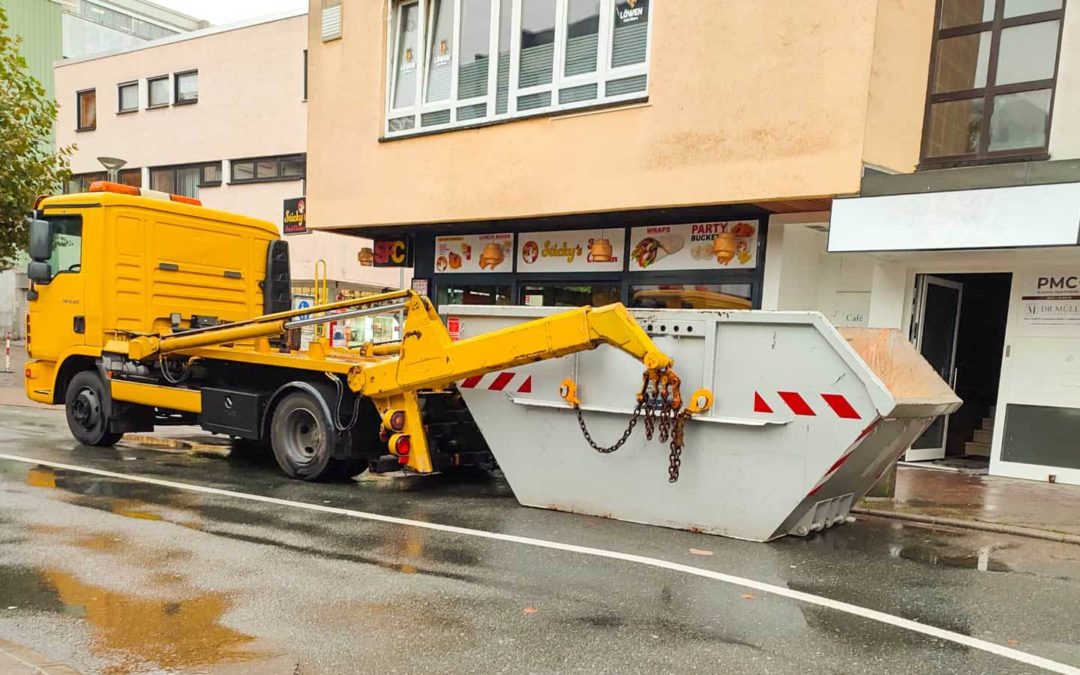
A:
[331, 21]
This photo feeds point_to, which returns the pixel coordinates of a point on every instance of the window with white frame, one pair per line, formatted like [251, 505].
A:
[459, 62]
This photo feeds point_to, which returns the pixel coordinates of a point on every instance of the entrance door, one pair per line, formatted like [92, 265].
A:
[937, 324]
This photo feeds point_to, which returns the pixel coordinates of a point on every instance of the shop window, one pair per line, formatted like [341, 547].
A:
[566, 54]
[86, 110]
[569, 295]
[453, 294]
[992, 76]
[692, 296]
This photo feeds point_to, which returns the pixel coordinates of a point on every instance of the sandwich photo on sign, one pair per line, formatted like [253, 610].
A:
[651, 250]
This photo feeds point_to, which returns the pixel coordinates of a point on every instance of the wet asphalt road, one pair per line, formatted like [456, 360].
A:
[114, 576]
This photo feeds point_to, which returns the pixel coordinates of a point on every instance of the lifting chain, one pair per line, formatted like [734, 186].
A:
[660, 403]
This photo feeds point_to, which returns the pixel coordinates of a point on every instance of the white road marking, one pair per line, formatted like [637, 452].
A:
[808, 598]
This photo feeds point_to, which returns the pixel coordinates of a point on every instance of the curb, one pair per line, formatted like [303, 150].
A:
[981, 526]
[212, 449]
[27, 659]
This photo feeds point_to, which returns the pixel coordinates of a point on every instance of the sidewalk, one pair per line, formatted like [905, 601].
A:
[16, 660]
[1029, 508]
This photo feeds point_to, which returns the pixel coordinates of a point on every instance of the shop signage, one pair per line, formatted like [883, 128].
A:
[390, 253]
[294, 220]
[573, 251]
[1051, 298]
[630, 12]
[724, 245]
[474, 253]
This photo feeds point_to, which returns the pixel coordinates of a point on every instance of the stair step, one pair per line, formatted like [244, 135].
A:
[983, 436]
[977, 449]
[987, 424]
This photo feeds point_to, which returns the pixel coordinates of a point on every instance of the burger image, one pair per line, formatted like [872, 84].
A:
[491, 256]
[440, 263]
[455, 260]
[600, 251]
[366, 257]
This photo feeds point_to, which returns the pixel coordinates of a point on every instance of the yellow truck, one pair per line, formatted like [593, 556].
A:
[148, 309]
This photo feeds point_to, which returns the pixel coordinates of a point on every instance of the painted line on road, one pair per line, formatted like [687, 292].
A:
[808, 598]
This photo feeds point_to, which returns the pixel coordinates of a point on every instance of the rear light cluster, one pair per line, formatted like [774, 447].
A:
[393, 425]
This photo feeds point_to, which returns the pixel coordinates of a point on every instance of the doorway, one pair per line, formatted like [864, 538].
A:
[958, 324]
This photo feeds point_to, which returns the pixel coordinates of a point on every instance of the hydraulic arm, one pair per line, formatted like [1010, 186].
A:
[427, 358]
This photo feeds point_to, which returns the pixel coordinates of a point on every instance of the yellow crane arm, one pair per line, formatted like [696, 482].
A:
[430, 359]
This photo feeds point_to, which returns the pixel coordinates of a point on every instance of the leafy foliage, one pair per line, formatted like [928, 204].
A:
[28, 165]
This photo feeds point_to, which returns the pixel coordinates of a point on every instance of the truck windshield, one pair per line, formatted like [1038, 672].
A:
[67, 244]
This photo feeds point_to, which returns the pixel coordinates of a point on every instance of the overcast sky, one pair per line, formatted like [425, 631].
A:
[219, 12]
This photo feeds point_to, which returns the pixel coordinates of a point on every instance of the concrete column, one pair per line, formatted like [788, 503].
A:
[888, 296]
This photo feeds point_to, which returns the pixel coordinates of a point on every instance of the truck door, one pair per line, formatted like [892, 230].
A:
[58, 315]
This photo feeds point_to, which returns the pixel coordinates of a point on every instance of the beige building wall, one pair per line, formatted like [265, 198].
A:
[897, 97]
[251, 104]
[748, 101]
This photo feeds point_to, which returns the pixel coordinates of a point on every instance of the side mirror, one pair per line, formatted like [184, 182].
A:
[39, 272]
[41, 240]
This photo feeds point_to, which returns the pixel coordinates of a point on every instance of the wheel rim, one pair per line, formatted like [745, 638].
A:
[87, 409]
[303, 437]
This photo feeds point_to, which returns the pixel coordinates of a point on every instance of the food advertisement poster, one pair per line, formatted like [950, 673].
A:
[573, 251]
[724, 245]
[1050, 299]
[472, 253]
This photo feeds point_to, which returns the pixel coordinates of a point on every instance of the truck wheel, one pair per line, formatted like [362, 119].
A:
[87, 417]
[303, 438]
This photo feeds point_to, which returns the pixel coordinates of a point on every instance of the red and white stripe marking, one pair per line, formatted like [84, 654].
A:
[843, 458]
[507, 380]
[835, 404]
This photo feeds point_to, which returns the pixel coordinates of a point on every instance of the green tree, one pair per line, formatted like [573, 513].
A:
[28, 165]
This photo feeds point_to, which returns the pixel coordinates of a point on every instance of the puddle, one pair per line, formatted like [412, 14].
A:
[131, 633]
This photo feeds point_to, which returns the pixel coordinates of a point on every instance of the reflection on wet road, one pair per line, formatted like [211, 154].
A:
[115, 576]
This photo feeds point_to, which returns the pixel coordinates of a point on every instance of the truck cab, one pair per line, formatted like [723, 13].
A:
[118, 262]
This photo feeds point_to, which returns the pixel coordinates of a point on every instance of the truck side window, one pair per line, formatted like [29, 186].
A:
[67, 244]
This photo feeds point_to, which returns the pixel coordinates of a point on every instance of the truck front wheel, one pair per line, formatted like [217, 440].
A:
[87, 410]
[304, 439]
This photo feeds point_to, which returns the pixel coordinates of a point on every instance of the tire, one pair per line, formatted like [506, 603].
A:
[87, 408]
[304, 439]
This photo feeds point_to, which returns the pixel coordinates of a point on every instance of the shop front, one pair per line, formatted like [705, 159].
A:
[699, 264]
[986, 283]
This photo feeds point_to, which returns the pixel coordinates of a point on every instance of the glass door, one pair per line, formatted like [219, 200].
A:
[937, 324]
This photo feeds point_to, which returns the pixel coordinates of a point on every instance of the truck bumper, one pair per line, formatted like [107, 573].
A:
[40, 380]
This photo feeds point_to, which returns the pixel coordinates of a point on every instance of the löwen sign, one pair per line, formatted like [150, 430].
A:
[294, 220]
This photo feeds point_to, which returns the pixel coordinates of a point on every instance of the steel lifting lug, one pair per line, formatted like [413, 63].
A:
[568, 392]
[701, 401]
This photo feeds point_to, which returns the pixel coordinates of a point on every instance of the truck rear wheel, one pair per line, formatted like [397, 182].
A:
[87, 411]
[304, 439]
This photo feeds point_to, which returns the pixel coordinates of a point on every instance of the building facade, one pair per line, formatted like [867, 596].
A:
[974, 253]
[894, 164]
[566, 152]
[218, 114]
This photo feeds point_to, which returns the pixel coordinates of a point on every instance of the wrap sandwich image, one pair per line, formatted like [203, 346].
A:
[651, 250]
